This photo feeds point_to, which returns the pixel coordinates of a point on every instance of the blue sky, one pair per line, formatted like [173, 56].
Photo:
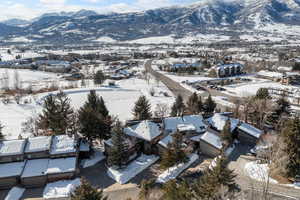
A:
[28, 9]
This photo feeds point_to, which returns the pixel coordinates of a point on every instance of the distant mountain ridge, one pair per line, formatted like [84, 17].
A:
[208, 16]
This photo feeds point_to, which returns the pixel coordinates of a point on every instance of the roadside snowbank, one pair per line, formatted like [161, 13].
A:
[122, 176]
[173, 172]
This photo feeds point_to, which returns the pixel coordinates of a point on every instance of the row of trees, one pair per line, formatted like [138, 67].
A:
[194, 105]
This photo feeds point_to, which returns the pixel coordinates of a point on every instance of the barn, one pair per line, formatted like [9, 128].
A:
[10, 174]
[38, 147]
[12, 150]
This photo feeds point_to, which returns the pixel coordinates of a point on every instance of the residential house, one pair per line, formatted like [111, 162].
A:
[62, 168]
[64, 146]
[34, 173]
[10, 174]
[248, 133]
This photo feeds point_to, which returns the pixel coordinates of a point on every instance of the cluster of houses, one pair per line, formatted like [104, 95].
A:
[199, 135]
[33, 162]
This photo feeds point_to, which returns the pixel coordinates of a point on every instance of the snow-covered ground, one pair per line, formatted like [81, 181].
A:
[60, 189]
[97, 157]
[15, 193]
[119, 100]
[173, 172]
[259, 172]
[122, 176]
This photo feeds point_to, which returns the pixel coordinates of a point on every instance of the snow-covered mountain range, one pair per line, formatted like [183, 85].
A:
[223, 17]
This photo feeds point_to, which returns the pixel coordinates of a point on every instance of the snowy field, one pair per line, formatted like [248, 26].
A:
[119, 101]
[259, 172]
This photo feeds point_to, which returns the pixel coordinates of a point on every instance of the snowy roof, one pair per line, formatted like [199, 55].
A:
[165, 141]
[63, 144]
[145, 130]
[84, 146]
[218, 121]
[11, 169]
[251, 130]
[37, 144]
[223, 66]
[37, 167]
[60, 189]
[212, 139]
[61, 165]
[186, 127]
[12, 147]
[171, 123]
[270, 74]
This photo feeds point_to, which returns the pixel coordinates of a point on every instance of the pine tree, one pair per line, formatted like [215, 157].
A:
[57, 114]
[142, 109]
[219, 177]
[262, 93]
[192, 104]
[118, 153]
[173, 190]
[281, 111]
[99, 77]
[178, 107]
[96, 103]
[174, 154]
[87, 192]
[291, 136]
[1, 131]
[146, 187]
[209, 106]
[226, 135]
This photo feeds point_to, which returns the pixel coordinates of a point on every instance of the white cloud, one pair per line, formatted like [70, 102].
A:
[51, 2]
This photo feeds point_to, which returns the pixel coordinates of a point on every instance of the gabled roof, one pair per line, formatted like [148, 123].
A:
[165, 141]
[171, 123]
[212, 139]
[251, 130]
[145, 130]
[218, 121]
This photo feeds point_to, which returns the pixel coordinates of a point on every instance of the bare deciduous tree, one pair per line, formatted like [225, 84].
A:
[161, 110]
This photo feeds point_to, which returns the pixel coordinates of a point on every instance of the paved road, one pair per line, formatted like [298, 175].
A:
[237, 164]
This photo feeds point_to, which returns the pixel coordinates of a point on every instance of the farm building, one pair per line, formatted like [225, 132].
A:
[61, 168]
[248, 133]
[193, 123]
[10, 174]
[34, 174]
[146, 134]
[12, 150]
[38, 147]
[63, 146]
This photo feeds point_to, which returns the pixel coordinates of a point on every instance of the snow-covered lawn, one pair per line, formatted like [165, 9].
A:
[60, 189]
[15, 193]
[97, 157]
[119, 101]
[173, 172]
[122, 176]
[259, 172]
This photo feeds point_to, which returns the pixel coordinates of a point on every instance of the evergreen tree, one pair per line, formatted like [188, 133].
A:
[291, 136]
[215, 179]
[1, 133]
[281, 111]
[173, 190]
[99, 77]
[178, 107]
[87, 192]
[192, 104]
[209, 106]
[262, 93]
[142, 109]
[118, 153]
[226, 135]
[94, 119]
[146, 187]
[174, 153]
[57, 115]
